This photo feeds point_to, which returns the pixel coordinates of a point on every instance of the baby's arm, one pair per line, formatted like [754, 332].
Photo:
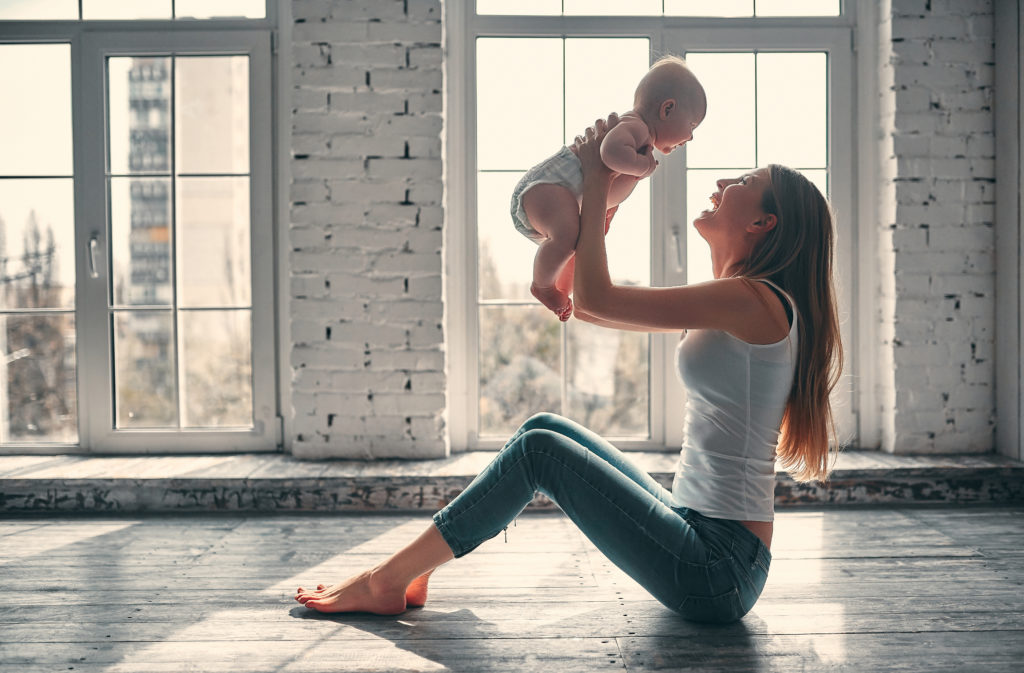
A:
[626, 149]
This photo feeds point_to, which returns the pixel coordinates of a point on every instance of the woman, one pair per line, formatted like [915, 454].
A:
[761, 352]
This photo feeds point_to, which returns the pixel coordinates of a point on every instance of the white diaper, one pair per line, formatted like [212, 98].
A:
[562, 168]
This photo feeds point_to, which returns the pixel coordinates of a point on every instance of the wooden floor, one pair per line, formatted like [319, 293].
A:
[870, 590]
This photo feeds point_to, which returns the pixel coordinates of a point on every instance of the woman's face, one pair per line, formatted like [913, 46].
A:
[735, 206]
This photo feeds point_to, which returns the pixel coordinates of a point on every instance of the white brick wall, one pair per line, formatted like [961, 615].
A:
[367, 348]
[936, 203]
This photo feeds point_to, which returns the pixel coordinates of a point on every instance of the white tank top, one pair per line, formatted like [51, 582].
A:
[736, 395]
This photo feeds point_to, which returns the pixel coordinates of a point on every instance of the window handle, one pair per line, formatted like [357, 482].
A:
[677, 243]
[94, 243]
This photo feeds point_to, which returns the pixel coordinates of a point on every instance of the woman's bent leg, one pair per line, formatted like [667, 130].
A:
[639, 533]
[600, 446]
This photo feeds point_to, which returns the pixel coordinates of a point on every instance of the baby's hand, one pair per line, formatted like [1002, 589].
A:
[654, 164]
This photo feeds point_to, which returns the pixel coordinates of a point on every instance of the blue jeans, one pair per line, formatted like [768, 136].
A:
[707, 570]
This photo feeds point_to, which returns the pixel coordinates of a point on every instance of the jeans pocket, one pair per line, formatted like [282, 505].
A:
[724, 608]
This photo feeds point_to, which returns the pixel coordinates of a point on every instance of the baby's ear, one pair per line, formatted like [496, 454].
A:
[667, 108]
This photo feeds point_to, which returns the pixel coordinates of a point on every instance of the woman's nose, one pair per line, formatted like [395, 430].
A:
[721, 184]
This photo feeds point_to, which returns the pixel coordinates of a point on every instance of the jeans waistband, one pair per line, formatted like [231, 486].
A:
[741, 540]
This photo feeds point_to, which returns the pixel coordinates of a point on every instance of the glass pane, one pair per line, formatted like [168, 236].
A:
[629, 239]
[705, 8]
[38, 10]
[144, 370]
[213, 242]
[791, 109]
[37, 243]
[35, 118]
[612, 7]
[609, 390]
[600, 77]
[205, 9]
[139, 105]
[726, 136]
[700, 185]
[505, 256]
[216, 358]
[798, 7]
[538, 7]
[819, 178]
[520, 366]
[120, 9]
[212, 114]
[38, 399]
[140, 241]
[519, 101]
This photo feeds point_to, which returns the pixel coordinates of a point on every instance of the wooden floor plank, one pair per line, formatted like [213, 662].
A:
[849, 590]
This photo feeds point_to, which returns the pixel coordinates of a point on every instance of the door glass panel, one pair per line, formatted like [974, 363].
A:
[535, 7]
[180, 238]
[608, 373]
[722, 8]
[212, 114]
[140, 233]
[122, 9]
[505, 255]
[520, 366]
[216, 359]
[37, 259]
[791, 114]
[38, 10]
[612, 7]
[798, 7]
[35, 117]
[205, 9]
[144, 380]
[139, 106]
[522, 345]
[519, 101]
[593, 90]
[38, 397]
[726, 136]
[213, 242]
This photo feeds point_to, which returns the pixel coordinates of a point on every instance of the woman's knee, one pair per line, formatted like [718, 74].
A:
[545, 420]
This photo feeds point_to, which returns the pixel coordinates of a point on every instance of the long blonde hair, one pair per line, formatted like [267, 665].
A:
[797, 256]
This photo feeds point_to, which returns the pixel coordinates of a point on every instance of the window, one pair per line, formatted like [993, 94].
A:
[536, 74]
[135, 240]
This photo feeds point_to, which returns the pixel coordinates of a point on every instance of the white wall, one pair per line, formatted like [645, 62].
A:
[367, 348]
[936, 275]
[365, 228]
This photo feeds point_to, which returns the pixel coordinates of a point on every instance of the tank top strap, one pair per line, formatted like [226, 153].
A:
[785, 294]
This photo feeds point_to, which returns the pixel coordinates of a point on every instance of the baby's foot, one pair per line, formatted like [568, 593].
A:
[363, 593]
[554, 299]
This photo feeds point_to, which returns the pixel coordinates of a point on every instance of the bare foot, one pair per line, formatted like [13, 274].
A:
[364, 592]
[554, 299]
[416, 593]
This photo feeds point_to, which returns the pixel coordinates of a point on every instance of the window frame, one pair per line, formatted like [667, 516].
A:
[90, 42]
[834, 35]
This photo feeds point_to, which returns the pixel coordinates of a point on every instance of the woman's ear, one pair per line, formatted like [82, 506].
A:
[667, 108]
[763, 225]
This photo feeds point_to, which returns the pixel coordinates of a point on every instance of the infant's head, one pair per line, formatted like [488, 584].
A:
[671, 101]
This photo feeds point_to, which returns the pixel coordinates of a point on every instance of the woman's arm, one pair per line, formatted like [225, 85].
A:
[727, 304]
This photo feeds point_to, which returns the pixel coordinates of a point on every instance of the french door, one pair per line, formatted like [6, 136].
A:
[174, 242]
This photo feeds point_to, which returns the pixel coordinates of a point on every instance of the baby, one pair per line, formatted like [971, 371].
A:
[668, 105]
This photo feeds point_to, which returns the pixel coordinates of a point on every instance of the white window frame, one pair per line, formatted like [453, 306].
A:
[91, 42]
[463, 26]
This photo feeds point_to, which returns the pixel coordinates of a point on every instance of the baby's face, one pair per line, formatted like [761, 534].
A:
[677, 129]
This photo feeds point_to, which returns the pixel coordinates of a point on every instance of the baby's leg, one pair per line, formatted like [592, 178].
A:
[622, 186]
[555, 214]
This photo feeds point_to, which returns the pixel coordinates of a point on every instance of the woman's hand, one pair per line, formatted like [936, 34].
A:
[588, 148]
